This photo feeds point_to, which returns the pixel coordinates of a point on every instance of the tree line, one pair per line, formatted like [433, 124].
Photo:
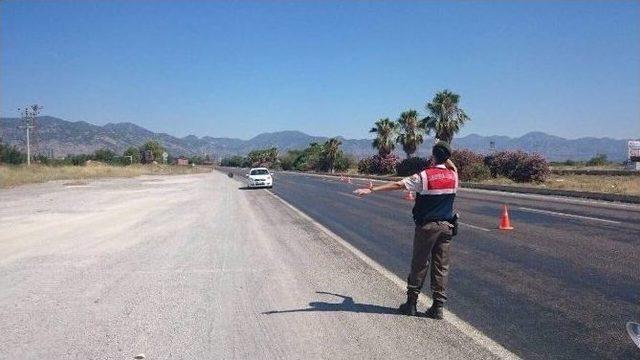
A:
[444, 119]
[148, 152]
[316, 157]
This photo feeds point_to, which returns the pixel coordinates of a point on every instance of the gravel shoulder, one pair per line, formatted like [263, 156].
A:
[192, 267]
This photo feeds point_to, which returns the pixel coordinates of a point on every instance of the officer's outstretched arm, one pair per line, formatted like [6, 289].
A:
[386, 187]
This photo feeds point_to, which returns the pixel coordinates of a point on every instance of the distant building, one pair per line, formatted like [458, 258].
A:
[182, 161]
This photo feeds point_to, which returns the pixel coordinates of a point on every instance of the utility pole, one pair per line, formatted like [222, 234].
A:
[29, 115]
[28, 145]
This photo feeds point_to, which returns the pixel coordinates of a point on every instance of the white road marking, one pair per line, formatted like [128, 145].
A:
[474, 226]
[467, 329]
[568, 215]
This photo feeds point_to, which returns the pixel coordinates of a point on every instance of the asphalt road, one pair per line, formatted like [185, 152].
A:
[561, 285]
[195, 267]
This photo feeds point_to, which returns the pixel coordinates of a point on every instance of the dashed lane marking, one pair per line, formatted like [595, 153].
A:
[473, 226]
[567, 215]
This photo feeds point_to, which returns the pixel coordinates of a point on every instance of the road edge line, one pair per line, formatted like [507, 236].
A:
[476, 335]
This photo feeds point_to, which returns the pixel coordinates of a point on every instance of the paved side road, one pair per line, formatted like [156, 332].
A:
[192, 267]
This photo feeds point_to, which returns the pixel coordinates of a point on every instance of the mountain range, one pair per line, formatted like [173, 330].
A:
[60, 137]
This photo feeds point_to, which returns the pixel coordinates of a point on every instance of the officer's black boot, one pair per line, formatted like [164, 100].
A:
[409, 307]
[435, 311]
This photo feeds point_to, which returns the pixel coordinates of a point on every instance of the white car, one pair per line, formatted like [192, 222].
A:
[260, 177]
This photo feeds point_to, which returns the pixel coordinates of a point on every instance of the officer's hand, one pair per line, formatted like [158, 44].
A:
[362, 192]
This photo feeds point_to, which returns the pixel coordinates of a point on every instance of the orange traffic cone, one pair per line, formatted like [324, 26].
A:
[370, 184]
[409, 196]
[505, 223]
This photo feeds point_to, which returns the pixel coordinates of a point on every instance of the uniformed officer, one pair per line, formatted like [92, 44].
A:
[433, 215]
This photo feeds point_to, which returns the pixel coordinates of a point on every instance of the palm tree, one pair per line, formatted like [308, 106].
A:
[385, 141]
[445, 118]
[330, 150]
[411, 132]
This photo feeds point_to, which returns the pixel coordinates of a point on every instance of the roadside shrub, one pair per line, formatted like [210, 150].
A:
[598, 160]
[343, 162]
[288, 160]
[471, 166]
[11, 155]
[378, 164]
[77, 160]
[263, 157]
[135, 155]
[518, 166]
[505, 163]
[535, 168]
[234, 161]
[310, 158]
[154, 147]
[104, 155]
[364, 166]
[410, 166]
[196, 159]
[476, 172]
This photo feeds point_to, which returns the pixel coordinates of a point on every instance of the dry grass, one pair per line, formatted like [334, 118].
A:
[628, 185]
[19, 175]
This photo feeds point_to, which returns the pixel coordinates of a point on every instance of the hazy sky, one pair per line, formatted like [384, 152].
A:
[238, 69]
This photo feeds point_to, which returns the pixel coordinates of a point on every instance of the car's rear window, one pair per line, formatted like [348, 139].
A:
[260, 172]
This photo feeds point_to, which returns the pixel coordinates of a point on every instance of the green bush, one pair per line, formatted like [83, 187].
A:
[134, 153]
[104, 155]
[234, 161]
[598, 160]
[198, 160]
[262, 157]
[77, 160]
[310, 158]
[11, 155]
[287, 161]
[155, 148]
[343, 162]
[364, 166]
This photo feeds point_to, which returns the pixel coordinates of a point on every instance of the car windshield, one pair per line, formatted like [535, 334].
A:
[260, 172]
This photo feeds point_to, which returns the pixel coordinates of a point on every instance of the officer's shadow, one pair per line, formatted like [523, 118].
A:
[347, 304]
